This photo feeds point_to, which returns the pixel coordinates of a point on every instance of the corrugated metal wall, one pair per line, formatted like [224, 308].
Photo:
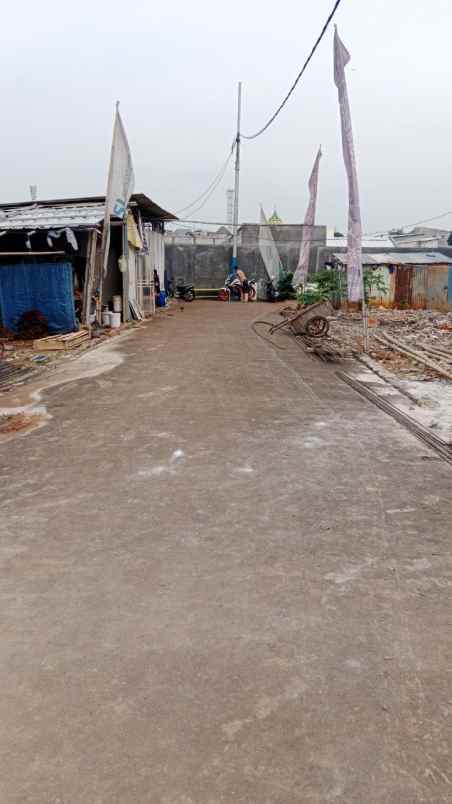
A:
[403, 293]
[416, 286]
[437, 287]
[419, 287]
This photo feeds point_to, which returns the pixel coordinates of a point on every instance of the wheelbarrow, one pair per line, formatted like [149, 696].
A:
[310, 320]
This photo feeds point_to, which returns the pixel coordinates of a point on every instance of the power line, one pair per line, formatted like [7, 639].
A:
[292, 88]
[365, 234]
[218, 182]
[213, 185]
[416, 223]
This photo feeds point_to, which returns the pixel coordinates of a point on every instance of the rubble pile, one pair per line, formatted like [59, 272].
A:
[427, 332]
[15, 422]
[410, 350]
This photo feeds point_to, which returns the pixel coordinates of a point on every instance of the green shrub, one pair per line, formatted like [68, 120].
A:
[285, 288]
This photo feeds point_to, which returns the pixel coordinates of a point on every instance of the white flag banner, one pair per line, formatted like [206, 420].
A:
[268, 250]
[299, 277]
[121, 180]
[354, 235]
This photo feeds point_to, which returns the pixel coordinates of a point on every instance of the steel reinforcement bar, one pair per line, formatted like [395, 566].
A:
[435, 443]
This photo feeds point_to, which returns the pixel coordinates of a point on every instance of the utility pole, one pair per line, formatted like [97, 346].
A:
[230, 206]
[235, 222]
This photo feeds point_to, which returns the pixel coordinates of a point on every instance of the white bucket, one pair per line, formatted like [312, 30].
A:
[115, 320]
[117, 304]
[106, 318]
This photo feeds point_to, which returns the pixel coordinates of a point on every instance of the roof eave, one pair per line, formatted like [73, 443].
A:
[148, 208]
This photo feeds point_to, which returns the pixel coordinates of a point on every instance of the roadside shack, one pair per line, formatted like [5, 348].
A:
[51, 261]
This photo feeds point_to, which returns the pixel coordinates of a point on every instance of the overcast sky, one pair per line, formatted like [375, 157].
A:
[175, 67]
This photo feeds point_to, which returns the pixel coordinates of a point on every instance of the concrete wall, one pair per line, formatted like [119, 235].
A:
[206, 266]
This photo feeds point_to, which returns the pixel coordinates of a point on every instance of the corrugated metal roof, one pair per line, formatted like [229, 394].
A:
[402, 258]
[150, 211]
[368, 242]
[60, 216]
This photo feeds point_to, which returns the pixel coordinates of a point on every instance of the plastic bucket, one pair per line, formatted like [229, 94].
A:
[117, 304]
[115, 320]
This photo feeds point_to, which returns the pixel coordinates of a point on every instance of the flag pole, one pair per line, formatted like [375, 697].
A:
[355, 273]
[365, 313]
[106, 227]
[237, 178]
[105, 242]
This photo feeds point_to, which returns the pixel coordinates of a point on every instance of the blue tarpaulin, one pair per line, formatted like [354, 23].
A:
[44, 286]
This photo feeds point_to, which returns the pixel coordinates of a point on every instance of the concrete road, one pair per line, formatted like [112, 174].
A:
[225, 578]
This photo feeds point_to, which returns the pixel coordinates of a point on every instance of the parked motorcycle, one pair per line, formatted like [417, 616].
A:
[272, 291]
[233, 291]
[185, 292]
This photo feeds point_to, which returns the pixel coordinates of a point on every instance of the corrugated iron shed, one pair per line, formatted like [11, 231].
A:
[401, 258]
[76, 213]
[60, 216]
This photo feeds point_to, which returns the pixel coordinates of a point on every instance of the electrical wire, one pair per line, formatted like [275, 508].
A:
[416, 223]
[213, 185]
[294, 85]
[381, 232]
[217, 184]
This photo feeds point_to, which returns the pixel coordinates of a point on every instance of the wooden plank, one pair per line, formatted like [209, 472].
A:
[47, 345]
[73, 336]
[61, 342]
[32, 253]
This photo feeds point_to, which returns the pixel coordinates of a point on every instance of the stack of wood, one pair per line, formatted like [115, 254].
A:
[61, 342]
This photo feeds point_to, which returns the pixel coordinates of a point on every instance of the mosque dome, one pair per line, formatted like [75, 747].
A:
[275, 220]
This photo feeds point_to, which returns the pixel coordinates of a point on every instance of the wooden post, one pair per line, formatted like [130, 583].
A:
[125, 273]
[90, 274]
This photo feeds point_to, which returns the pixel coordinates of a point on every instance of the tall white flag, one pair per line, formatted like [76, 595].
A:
[299, 277]
[354, 235]
[121, 177]
[121, 180]
[268, 250]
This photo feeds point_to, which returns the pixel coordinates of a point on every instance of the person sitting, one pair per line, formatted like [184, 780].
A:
[244, 287]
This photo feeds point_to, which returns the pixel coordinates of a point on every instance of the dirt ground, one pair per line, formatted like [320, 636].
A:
[226, 580]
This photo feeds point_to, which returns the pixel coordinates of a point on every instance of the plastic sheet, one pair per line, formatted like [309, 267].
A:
[47, 287]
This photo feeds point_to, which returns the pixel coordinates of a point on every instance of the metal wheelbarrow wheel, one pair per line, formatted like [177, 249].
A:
[317, 326]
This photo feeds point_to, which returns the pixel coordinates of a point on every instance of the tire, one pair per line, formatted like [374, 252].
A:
[317, 326]
[189, 295]
[252, 293]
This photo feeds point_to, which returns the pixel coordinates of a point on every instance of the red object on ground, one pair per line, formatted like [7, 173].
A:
[223, 295]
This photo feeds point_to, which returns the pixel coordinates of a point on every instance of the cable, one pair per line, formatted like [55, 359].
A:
[215, 182]
[218, 182]
[291, 90]
[321, 240]
[416, 223]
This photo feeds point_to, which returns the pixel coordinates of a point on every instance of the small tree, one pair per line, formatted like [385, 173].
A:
[373, 283]
[285, 288]
[331, 283]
